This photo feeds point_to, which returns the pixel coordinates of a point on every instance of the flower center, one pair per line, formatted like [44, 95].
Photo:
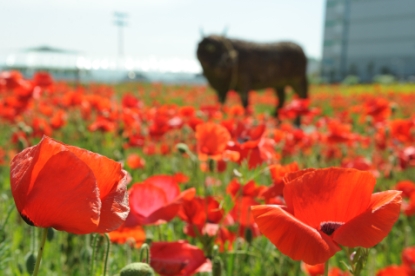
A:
[329, 227]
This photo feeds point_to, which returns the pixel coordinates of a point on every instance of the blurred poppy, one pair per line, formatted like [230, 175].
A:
[402, 130]
[359, 163]
[102, 124]
[407, 157]
[250, 189]
[134, 235]
[134, 161]
[242, 214]
[180, 178]
[327, 208]
[377, 108]
[406, 186]
[211, 140]
[130, 101]
[68, 188]
[201, 214]
[156, 200]
[408, 204]
[178, 259]
[42, 79]
[278, 173]
[393, 270]
[313, 270]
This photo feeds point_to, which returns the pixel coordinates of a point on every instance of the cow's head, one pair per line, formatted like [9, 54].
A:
[216, 52]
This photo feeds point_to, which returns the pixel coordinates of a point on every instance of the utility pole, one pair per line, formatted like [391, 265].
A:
[120, 21]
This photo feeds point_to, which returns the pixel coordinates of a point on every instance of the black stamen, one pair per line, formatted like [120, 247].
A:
[27, 220]
[330, 226]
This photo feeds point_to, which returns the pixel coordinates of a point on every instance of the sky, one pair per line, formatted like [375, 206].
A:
[157, 30]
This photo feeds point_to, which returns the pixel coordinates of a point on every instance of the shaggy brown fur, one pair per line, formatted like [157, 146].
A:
[231, 64]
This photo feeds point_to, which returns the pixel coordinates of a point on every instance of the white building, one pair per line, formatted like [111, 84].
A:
[368, 38]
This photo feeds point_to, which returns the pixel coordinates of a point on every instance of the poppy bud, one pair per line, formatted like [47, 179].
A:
[249, 235]
[51, 234]
[137, 269]
[30, 260]
[217, 266]
[182, 148]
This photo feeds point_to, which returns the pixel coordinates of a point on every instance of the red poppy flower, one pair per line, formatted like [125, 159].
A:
[393, 270]
[250, 189]
[406, 186]
[242, 214]
[58, 120]
[408, 259]
[335, 271]
[178, 259]
[402, 130]
[313, 270]
[68, 188]
[102, 124]
[42, 79]
[278, 172]
[202, 215]
[134, 161]
[130, 101]
[360, 163]
[211, 140]
[407, 157]
[378, 108]
[155, 200]
[180, 178]
[134, 235]
[327, 208]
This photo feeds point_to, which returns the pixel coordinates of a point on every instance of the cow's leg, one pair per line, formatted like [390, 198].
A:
[245, 100]
[301, 88]
[222, 96]
[281, 99]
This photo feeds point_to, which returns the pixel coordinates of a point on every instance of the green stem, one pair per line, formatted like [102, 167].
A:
[40, 252]
[326, 268]
[94, 249]
[145, 250]
[107, 239]
[7, 216]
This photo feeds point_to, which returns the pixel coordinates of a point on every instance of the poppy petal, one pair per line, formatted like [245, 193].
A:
[21, 169]
[107, 172]
[370, 227]
[59, 204]
[115, 207]
[146, 199]
[26, 165]
[169, 211]
[293, 175]
[166, 183]
[176, 258]
[292, 237]
[346, 191]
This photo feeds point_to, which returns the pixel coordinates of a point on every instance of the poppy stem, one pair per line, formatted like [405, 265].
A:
[40, 251]
[326, 268]
[94, 250]
[145, 250]
[107, 239]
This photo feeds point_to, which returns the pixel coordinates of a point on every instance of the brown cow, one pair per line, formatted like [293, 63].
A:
[231, 64]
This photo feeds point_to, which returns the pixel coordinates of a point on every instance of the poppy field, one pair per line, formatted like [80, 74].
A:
[154, 179]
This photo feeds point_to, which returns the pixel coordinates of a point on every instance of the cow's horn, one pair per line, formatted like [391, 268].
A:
[225, 31]
[202, 34]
